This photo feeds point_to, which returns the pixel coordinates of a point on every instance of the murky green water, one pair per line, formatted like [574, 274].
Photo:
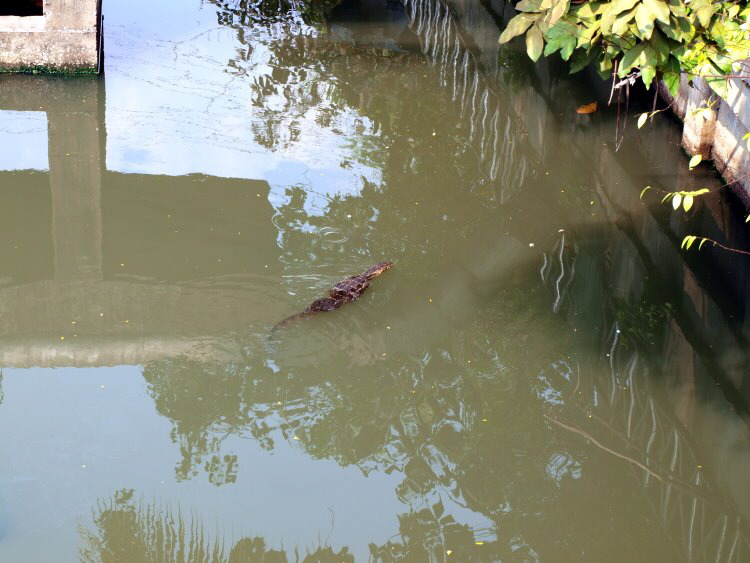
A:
[542, 376]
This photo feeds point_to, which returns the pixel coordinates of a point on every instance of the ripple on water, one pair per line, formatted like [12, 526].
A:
[331, 234]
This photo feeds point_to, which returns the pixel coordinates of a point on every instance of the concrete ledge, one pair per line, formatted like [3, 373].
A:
[29, 23]
[50, 50]
[65, 39]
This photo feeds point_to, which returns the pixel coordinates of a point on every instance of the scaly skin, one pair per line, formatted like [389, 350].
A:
[345, 291]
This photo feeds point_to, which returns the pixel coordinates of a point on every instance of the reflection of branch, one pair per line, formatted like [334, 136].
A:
[602, 446]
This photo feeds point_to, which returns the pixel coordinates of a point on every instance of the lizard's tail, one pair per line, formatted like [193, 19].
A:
[289, 320]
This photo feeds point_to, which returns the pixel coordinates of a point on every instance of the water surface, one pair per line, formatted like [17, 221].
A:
[542, 376]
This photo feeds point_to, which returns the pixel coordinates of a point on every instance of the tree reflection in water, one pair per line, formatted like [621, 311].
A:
[128, 531]
[478, 405]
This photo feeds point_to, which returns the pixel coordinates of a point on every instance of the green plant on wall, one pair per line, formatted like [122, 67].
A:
[631, 39]
[686, 200]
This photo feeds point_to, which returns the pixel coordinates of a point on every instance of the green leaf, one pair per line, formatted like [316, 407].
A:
[659, 8]
[747, 219]
[559, 8]
[687, 203]
[695, 160]
[705, 13]
[676, 200]
[647, 64]
[648, 72]
[534, 43]
[581, 60]
[673, 83]
[644, 20]
[642, 121]
[621, 23]
[588, 10]
[628, 60]
[648, 188]
[529, 6]
[718, 84]
[619, 6]
[672, 76]
[659, 43]
[668, 196]
[586, 37]
[517, 26]
[561, 37]
[688, 241]
[702, 243]
[696, 193]
[604, 67]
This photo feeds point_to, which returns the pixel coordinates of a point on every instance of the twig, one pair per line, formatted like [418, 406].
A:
[729, 248]
[602, 446]
[614, 76]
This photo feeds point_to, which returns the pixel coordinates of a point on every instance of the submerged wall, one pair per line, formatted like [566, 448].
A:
[65, 38]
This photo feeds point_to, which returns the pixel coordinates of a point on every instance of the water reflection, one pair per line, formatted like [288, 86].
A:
[528, 372]
[126, 530]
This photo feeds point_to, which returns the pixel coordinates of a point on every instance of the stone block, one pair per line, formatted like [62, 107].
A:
[67, 38]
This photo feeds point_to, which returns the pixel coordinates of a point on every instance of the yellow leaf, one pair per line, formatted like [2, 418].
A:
[687, 203]
[648, 188]
[695, 161]
[676, 200]
[587, 108]
[642, 120]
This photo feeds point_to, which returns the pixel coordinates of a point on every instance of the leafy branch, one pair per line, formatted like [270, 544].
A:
[644, 39]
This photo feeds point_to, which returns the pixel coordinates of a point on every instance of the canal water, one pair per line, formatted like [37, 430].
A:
[543, 375]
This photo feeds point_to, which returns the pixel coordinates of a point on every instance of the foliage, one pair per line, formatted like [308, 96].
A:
[686, 199]
[638, 38]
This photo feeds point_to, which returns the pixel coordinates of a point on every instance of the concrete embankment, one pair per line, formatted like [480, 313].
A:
[713, 126]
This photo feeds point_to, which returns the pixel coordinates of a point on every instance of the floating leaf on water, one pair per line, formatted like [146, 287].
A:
[587, 108]
[695, 161]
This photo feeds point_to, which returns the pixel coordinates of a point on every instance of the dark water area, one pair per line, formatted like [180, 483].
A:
[544, 374]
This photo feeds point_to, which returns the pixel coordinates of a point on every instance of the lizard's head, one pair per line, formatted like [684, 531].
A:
[378, 269]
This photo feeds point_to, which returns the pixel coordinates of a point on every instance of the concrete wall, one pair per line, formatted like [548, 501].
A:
[65, 39]
[714, 127]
